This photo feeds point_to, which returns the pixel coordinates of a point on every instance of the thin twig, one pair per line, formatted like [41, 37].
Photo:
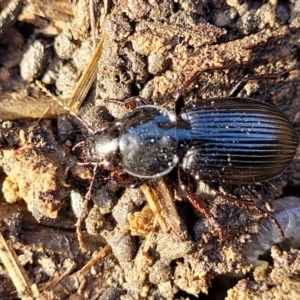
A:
[16, 272]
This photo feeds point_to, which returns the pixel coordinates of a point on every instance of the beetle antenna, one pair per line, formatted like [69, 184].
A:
[60, 102]
[198, 73]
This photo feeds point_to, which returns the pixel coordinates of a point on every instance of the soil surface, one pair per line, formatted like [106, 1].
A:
[146, 242]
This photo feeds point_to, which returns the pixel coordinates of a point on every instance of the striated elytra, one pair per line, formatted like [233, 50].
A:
[224, 139]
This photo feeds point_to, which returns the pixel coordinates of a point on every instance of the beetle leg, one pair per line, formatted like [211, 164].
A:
[199, 205]
[239, 86]
[84, 210]
[273, 218]
[178, 96]
[137, 100]
[126, 180]
[79, 145]
[243, 203]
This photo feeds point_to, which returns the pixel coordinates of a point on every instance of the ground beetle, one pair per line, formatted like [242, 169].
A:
[230, 139]
[227, 139]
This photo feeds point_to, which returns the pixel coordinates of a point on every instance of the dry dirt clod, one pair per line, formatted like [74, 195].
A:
[40, 158]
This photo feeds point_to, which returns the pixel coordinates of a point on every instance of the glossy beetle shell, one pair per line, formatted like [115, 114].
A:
[226, 139]
[149, 141]
[238, 140]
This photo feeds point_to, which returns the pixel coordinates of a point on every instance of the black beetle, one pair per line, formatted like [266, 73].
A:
[224, 139]
[230, 139]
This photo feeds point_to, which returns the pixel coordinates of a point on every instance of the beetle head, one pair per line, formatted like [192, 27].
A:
[103, 147]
